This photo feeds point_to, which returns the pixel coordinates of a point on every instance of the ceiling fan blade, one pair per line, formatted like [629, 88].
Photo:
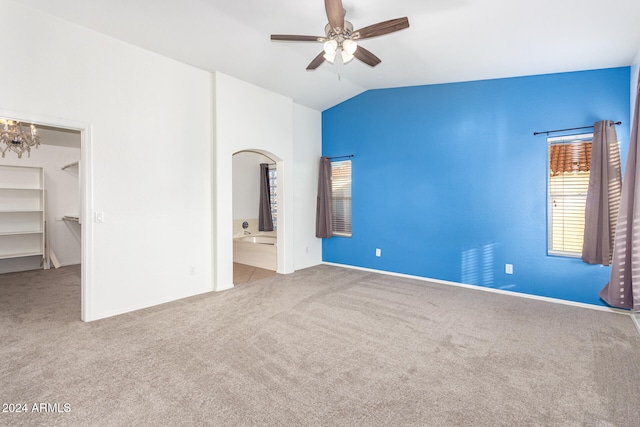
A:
[335, 13]
[295, 38]
[317, 61]
[366, 56]
[381, 28]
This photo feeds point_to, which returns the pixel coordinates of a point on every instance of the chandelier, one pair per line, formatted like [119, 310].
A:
[16, 137]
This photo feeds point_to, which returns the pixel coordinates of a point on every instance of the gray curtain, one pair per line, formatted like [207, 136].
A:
[265, 220]
[324, 224]
[603, 195]
[623, 289]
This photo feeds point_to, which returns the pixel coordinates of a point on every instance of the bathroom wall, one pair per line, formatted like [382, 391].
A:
[450, 182]
[246, 188]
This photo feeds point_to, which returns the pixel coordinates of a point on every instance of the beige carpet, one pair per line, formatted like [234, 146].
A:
[323, 346]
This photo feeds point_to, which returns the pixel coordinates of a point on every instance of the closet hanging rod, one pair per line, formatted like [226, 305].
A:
[563, 130]
[70, 165]
[342, 157]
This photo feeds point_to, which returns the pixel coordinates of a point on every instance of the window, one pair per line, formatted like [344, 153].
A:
[341, 197]
[568, 169]
[273, 194]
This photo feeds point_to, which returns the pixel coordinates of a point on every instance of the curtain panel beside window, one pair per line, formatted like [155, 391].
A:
[324, 221]
[603, 195]
[623, 288]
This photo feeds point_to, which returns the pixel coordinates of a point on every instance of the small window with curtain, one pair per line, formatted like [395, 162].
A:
[568, 172]
[341, 197]
[273, 194]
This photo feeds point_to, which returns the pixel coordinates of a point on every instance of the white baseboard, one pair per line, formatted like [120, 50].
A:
[636, 320]
[497, 291]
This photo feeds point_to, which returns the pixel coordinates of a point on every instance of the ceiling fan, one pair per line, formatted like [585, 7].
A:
[340, 37]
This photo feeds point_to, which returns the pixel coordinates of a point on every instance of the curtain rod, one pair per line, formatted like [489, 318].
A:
[563, 130]
[341, 157]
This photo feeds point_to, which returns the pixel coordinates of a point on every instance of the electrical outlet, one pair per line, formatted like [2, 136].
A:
[378, 252]
[192, 270]
[508, 268]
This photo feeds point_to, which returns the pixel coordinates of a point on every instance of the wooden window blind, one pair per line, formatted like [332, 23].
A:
[568, 172]
[341, 197]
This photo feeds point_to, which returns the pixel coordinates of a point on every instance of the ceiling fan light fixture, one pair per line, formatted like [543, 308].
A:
[349, 46]
[346, 56]
[330, 57]
[330, 47]
[341, 38]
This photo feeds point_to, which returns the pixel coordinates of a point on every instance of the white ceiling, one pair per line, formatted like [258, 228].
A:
[448, 41]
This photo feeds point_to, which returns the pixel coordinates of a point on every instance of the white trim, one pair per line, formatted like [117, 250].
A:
[497, 291]
[636, 320]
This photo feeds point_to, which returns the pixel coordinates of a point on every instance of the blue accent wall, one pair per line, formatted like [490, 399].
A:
[450, 182]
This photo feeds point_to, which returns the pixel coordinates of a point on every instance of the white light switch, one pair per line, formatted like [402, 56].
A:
[508, 268]
[99, 217]
[378, 252]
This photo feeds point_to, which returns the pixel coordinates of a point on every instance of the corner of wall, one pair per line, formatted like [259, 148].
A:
[635, 70]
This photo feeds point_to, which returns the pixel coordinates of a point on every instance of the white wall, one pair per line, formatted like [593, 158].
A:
[306, 146]
[147, 148]
[307, 149]
[251, 118]
[62, 198]
[154, 165]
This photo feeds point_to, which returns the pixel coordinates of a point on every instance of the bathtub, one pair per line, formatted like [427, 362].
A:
[261, 239]
[258, 250]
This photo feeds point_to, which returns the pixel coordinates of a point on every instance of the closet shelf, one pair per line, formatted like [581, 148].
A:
[20, 255]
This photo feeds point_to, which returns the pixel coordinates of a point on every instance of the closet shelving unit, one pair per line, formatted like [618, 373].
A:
[22, 216]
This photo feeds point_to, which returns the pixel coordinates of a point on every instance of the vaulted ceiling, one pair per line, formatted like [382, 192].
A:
[448, 40]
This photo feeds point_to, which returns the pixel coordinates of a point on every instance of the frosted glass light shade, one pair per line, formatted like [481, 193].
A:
[330, 57]
[330, 47]
[349, 46]
[346, 56]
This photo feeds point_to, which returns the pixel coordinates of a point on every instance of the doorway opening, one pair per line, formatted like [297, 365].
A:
[255, 245]
[42, 209]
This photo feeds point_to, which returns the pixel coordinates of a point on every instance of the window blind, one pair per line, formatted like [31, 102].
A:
[568, 172]
[273, 194]
[341, 197]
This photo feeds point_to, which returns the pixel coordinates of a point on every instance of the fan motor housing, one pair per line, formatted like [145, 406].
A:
[346, 31]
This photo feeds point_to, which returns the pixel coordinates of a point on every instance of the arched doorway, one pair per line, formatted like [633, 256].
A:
[255, 250]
